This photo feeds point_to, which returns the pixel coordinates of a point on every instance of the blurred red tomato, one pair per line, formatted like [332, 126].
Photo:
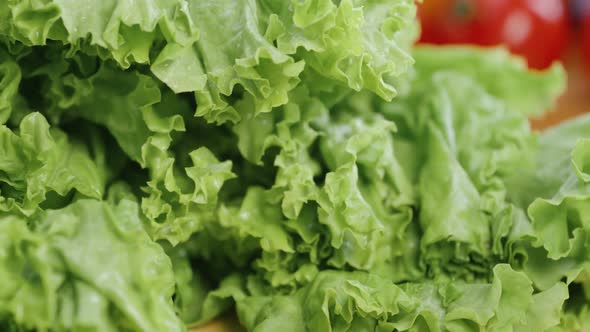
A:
[536, 29]
[449, 21]
[585, 17]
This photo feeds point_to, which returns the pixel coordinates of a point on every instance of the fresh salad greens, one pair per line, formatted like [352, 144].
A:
[298, 162]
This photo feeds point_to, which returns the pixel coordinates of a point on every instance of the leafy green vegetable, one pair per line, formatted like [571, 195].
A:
[340, 301]
[61, 273]
[40, 160]
[298, 162]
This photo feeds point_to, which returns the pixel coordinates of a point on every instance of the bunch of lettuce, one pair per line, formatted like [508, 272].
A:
[295, 161]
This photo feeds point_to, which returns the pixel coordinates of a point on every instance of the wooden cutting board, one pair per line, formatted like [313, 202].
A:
[575, 101]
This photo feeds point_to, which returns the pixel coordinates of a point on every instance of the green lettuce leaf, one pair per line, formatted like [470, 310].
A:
[10, 75]
[39, 160]
[126, 29]
[553, 162]
[344, 301]
[462, 144]
[142, 117]
[501, 74]
[87, 266]
[359, 44]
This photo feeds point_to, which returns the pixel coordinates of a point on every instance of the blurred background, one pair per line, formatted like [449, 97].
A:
[541, 31]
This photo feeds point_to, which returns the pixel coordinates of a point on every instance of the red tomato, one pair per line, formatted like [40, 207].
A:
[536, 29]
[448, 21]
[586, 38]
